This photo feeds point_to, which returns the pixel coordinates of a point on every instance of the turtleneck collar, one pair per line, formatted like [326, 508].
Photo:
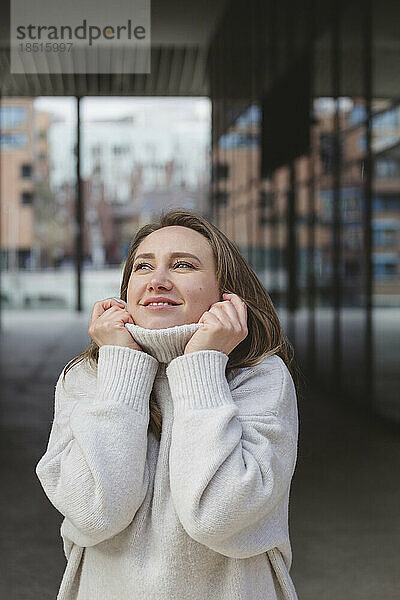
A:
[164, 344]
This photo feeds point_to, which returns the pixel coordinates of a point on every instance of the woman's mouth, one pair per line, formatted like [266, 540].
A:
[160, 305]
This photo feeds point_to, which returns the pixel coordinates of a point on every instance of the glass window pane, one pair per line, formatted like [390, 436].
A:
[37, 203]
[139, 156]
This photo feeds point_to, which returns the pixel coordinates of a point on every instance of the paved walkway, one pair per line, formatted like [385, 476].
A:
[345, 498]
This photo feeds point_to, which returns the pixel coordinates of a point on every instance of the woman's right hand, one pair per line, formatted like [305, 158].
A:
[107, 325]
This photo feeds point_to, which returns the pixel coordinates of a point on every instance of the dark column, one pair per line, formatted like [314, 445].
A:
[368, 178]
[291, 203]
[1, 270]
[336, 288]
[311, 220]
[78, 211]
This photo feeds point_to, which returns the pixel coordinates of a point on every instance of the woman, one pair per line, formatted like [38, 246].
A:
[175, 432]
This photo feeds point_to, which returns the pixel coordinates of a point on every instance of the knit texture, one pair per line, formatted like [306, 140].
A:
[200, 515]
[163, 344]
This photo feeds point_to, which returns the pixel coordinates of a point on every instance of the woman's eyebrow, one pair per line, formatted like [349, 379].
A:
[172, 255]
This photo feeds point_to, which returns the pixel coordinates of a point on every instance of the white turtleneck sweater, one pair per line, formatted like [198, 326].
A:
[200, 515]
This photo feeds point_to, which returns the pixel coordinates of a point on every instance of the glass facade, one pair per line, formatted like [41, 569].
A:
[306, 179]
[61, 249]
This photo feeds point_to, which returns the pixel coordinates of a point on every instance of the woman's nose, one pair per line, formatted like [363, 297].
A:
[157, 285]
[158, 280]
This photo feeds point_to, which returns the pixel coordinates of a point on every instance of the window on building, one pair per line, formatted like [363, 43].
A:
[235, 139]
[96, 151]
[266, 199]
[221, 198]
[386, 129]
[12, 116]
[385, 237]
[350, 204]
[250, 117]
[387, 167]
[26, 171]
[9, 141]
[120, 149]
[357, 114]
[351, 238]
[221, 170]
[386, 203]
[385, 270]
[27, 197]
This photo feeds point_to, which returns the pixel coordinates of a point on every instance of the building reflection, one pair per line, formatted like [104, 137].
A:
[305, 178]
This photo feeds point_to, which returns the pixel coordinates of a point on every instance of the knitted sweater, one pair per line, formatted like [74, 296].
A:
[200, 515]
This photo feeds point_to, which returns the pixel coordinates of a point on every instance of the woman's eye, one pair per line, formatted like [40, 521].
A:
[177, 263]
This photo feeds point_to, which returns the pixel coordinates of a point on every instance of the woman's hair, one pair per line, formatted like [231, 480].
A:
[265, 336]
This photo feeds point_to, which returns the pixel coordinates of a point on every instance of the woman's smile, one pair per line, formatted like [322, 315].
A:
[159, 306]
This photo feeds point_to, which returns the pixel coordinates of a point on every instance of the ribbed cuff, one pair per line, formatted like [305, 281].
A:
[126, 375]
[197, 380]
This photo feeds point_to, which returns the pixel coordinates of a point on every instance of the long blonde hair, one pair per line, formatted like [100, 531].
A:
[265, 336]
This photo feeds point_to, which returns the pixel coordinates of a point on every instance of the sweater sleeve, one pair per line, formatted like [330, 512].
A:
[233, 452]
[94, 470]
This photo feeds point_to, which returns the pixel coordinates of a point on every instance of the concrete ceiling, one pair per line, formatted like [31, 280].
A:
[181, 31]
[180, 35]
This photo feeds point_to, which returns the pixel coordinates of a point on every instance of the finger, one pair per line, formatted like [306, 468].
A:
[120, 301]
[232, 301]
[102, 305]
[208, 317]
[237, 301]
[226, 312]
[239, 305]
[113, 313]
[127, 317]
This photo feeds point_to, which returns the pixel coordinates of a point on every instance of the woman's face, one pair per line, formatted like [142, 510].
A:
[167, 270]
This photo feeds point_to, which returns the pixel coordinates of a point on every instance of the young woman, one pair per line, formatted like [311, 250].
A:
[175, 432]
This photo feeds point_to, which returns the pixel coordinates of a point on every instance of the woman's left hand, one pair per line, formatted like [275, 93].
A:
[224, 326]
